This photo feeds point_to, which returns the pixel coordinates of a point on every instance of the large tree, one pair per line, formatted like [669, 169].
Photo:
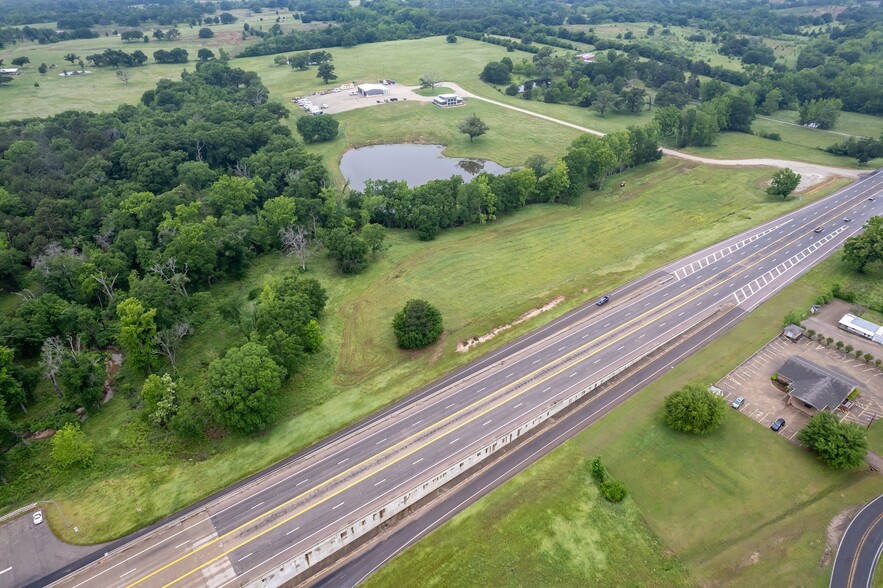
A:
[243, 386]
[315, 129]
[783, 183]
[417, 325]
[137, 334]
[693, 409]
[866, 249]
[472, 126]
[840, 445]
[326, 72]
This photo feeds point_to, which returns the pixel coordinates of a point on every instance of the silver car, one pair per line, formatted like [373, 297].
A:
[738, 402]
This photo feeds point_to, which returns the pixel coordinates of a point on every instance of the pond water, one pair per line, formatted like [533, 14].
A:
[415, 164]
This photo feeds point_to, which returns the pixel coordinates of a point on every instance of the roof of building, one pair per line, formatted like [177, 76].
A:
[793, 332]
[860, 324]
[368, 87]
[448, 96]
[815, 385]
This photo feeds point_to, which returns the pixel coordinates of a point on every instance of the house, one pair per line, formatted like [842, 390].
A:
[813, 388]
[372, 89]
[446, 100]
[9, 71]
[586, 57]
[862, 328]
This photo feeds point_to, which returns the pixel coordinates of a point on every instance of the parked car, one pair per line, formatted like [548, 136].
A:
[603, 300]
[818, 229]
[738, 402]
[38, 517]
[778, 425]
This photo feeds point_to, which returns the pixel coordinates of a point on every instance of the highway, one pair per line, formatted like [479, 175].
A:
[860, 548]
[244, 534]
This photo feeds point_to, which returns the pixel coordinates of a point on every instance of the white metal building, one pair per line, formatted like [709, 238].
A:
[373, 89]
[862, 328]
[447, 100]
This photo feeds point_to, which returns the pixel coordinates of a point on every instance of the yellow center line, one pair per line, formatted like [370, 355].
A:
[450, 418]
[858, 550]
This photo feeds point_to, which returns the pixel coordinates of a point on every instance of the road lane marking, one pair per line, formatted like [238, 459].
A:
[480, 389]
[487, 423]
[124, 575]
[450, 405]
[547, 389]
[381, 441]
[417, 423]
[246, 556]
[572, 354]
[418, 461]
[6, 570]
[338, 506]
[454, 441]
[302, 482]
[573, 374]
[182, 544]
[380, 482]
[510, 374]
[345, 459]
[517, 405]
[292, 531]
[256, 505]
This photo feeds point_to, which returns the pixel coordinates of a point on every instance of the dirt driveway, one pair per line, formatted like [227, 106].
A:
[765, 402]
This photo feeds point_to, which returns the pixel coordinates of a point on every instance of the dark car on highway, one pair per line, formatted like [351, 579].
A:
[603, 300]
[778, 425]
[818, 229]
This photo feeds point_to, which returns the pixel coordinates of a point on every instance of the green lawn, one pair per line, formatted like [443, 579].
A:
[738, 507]
[875, 437]
[669, 208]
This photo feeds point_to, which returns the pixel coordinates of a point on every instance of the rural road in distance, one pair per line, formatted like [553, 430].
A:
[249, 531]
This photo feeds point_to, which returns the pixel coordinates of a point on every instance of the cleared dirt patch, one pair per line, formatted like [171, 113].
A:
[465, 346]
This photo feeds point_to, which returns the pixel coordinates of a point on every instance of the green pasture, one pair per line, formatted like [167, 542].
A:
[738, 507]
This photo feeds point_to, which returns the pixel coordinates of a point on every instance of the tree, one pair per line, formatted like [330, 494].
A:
[43, 69]
[672, 94]
[417, 325]
[347, 249]
[137, 332]
[316, 129]
[82, 374]
[375, 238]
[227, 18]
[205, 54]
[633, 99]
[783, 183]
[472, 126]
[429, 80]
[20, 61]
[72, 57]
[841, 445]
[70, 448]
[123, 76]
[496, 72]
[693, 409]
[865, 250]
[205, 33]
[128, 36]
[604, 100]
[326, 72]
[11, 390]
[243, 386]
[5, 79]
[51, 357]
[300, 61]
[451, 38]
[160, 397]
[821, 113]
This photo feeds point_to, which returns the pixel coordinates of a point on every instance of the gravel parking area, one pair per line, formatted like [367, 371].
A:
[765, 401]
[342, 100]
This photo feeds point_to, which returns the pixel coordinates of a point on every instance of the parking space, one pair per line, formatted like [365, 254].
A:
[345, 97]
[765, 401]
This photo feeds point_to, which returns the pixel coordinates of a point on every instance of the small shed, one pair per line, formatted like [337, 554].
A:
[372, 90]
[793, 332]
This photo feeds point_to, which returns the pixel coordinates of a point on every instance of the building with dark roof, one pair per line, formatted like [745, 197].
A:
[811, 387]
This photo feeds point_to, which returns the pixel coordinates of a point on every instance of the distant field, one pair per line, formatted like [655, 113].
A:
[785, 49]
[668, 209]
[738, 507]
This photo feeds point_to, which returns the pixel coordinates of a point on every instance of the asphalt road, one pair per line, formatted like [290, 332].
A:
[243, 534]
[860, 548]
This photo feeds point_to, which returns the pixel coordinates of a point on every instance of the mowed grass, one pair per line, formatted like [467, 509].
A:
[731, 145]
[668, 209]
[875, 436]
[738, 507]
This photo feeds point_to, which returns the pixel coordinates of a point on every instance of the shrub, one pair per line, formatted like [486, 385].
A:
[770, 136]
[858, 353]
[838, 292]
[417, 325]
[613, 490]
[848, 348]
[829, 340]
[868, 358]
[70, 448]
[853, 395]
[794, 317]
[878, 362]
[599, 473]
[810, 333]
[839, 345]
[774, 377]
[840, 445]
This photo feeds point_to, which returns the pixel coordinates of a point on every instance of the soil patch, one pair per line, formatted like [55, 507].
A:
[465, 346]
[836, 529]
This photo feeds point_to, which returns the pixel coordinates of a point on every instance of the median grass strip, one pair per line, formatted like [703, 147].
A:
[740, 506]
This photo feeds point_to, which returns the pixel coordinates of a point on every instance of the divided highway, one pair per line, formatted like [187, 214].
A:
[254, 529]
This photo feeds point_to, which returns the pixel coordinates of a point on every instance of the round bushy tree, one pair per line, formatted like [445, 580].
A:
[840, 445]
[694, 409]
[417, 325]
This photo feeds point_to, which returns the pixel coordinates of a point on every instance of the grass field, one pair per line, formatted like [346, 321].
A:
[875, 437]
[404, 61]
[669, 208]
[738, 507]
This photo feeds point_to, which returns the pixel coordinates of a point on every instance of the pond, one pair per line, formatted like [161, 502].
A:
[415, 164]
